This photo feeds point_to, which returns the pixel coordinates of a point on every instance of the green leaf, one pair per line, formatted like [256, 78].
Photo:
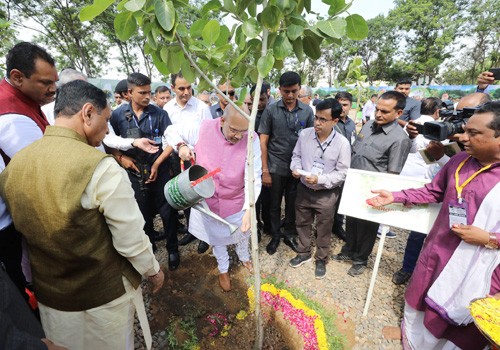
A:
[229, 6]
[278, 64]
[224, 36]
[135, 5]
[357, 61]
[165, 14]
[271, 18]
[235, 62]
[211, 32]
[311, 47]
[182, 30]
[197, 28]
[294, 31]
[286, 6]
[337, 7]
[241, 97]
[298, 20]
[334, 28]
[357, 29]
[212, 5]
[252, 9]
[159, 64]
[125, 25]
[307, 5]
[240, 38]
[298, 49]
[251, 28]
[281, 47]
[265, 64]
[188, 72]
[164, 53]
[174, 60]
[151, 41]
[90, 12]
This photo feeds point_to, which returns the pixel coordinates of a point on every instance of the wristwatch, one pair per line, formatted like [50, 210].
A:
[493, 242]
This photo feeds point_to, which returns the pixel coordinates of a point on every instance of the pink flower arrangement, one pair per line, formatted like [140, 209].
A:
[307, 322]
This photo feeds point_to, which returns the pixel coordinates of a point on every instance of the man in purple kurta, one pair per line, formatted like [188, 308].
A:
[459, 261]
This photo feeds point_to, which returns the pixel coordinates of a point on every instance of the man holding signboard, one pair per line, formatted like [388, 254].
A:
[460, 259]
[381, 146]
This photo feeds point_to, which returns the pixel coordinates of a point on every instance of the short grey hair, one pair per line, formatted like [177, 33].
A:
[308, 90]
[70, 74]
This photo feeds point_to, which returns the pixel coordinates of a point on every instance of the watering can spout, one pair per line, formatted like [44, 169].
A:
[203, 207]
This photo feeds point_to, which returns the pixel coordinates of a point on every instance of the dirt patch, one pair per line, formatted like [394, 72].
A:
[191, 309]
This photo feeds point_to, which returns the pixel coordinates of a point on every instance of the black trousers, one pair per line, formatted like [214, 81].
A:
[11, 253]
[262, 209]
[151, 200]
[287, 186]
[360, 238]
[338, 219]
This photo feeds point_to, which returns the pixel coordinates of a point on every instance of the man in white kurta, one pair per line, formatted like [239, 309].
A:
[221, 143]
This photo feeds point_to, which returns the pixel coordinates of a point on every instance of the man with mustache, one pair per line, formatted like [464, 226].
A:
[30, 82]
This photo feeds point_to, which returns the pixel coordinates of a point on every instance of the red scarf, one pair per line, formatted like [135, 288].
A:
[13, 101]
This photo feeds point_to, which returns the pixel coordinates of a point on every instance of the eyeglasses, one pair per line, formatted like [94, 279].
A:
[236, 132]
[230, 93]
[322, 120]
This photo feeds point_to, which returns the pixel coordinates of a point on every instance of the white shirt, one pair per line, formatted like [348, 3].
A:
[16, 132]
[415, 165]
[193, 111]
[110, 140]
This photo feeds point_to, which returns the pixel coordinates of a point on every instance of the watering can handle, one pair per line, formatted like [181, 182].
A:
[182, 163]
[204, 177]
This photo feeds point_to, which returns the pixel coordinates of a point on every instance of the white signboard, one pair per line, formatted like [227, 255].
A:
[357, 189]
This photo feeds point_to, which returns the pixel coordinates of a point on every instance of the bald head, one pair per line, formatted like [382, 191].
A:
[473, 100]
[234, 125]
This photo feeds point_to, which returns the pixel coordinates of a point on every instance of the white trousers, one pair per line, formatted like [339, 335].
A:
[107, 327]
[222, 256]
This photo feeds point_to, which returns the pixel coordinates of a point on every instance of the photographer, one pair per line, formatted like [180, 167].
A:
[142, 119]
[436, 148]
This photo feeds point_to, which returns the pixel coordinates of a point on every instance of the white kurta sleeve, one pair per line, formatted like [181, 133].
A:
[117, 142]
[181, 132]
[257, 167]
[110, 191]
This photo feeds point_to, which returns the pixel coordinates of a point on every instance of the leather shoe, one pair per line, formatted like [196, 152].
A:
[272, 246]
[173, 260]
[202, 247]
[186, 239]
[225, 281]
[292, 244]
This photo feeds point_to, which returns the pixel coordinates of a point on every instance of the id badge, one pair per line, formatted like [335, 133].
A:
[318, 167]
[157, 140]
[458, 213]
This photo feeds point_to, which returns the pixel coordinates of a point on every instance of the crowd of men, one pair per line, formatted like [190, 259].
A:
[81, 184]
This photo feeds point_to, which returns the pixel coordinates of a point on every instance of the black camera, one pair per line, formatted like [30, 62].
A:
[452, 122]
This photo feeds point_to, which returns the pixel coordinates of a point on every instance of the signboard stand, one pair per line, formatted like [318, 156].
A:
[385, 230]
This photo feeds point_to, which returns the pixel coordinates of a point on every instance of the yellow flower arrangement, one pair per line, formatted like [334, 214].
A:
[314, 341]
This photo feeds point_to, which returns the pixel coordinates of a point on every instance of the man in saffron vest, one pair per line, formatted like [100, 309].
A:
[30, 82]
[76, 208]
[221, 143]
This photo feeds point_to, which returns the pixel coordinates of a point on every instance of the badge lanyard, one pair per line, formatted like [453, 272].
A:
[328, 144]
[459, 187]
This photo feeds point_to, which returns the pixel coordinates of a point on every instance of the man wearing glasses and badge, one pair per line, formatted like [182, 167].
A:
[320, 160]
